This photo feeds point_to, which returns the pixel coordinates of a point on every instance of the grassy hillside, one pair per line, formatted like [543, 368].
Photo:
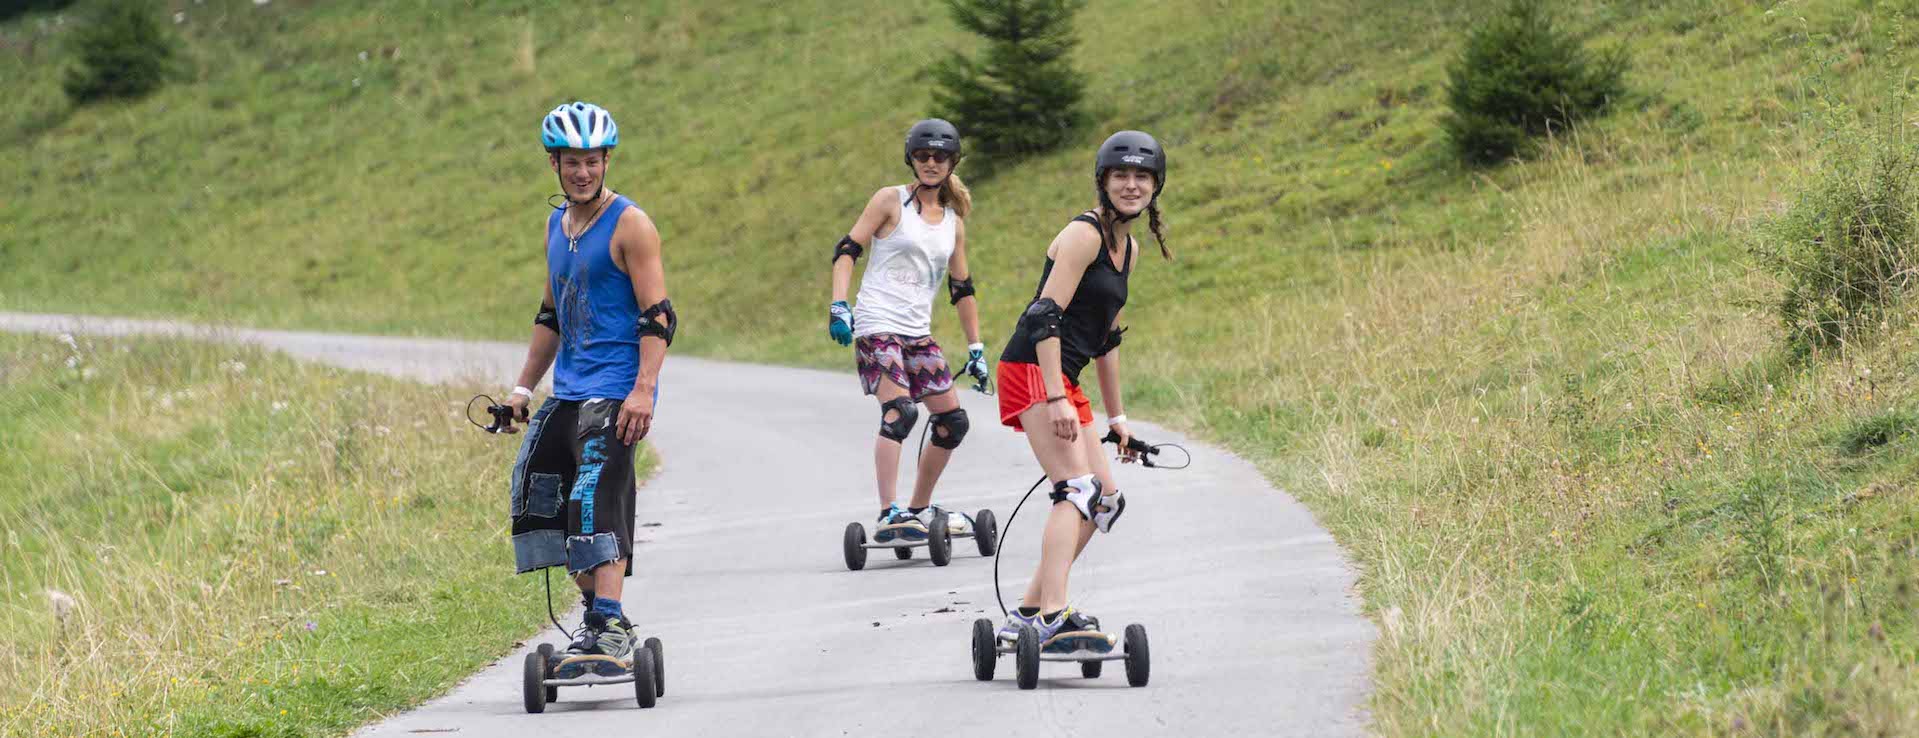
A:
[216, 542]
[1544, 405]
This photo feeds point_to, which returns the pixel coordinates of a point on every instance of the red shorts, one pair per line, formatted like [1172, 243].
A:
[1020, 387]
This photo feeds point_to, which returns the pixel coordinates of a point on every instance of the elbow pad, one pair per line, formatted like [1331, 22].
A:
[1041, 320]
[848, 247]
[651, 325]
[959, 288]
[548, 316]
[1112, 342]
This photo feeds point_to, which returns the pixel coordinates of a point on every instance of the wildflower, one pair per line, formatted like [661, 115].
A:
[63, 604]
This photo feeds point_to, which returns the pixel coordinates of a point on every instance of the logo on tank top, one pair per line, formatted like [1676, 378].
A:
[576, 311]
[907, 275]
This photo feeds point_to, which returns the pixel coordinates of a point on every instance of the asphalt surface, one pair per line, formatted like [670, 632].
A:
[1249, 604]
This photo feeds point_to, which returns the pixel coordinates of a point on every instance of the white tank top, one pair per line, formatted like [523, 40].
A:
[896, 293]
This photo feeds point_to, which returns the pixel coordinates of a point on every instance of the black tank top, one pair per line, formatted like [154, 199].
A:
[1089, 317]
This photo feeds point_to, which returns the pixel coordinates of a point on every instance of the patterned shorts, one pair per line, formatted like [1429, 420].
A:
[915, 363]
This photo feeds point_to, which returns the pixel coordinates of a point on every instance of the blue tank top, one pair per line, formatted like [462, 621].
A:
[599, 318]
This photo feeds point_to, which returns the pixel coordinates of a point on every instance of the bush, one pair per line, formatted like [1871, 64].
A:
[1844, 248]
[123, 53]
[1518, 78]
[1022, 97]
[12, 9]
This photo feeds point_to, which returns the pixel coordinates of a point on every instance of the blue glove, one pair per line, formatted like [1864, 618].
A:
[839, 323]
[976, 363]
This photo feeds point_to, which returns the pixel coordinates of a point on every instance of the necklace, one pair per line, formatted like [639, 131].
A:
[573, 240]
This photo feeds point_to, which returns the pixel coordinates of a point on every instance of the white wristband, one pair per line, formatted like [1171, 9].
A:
[522, 392]
[975, 347]
[1116, 420]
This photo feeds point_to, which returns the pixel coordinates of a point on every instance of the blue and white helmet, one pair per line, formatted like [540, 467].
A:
[579, 125]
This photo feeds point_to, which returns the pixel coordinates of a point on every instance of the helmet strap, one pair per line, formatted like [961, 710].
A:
[917, 186]
[569, 198]
[1118, 217]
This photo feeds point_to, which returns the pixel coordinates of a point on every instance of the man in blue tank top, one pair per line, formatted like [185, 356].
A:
[604, 328]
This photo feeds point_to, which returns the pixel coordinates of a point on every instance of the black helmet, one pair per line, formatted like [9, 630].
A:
[1130, 149]
[935, 134]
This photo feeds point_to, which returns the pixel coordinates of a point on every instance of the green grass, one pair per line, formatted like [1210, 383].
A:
[253, 547]
[1545, 406]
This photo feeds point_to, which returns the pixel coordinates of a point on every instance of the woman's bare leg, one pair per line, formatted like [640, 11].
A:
[1066, 532]
[933, 459]
[886, 451]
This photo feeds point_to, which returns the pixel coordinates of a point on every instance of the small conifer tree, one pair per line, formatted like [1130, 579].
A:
[1021, 96]
[1520, 77]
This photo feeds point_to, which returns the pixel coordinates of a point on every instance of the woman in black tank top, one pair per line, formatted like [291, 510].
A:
[1073, 321]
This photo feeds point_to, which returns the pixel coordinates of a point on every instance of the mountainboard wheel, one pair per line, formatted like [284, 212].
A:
[855, 547]
[985, 650]
[659, 666]
[1026, 657]
[1091, 669]
[986, 532]
[939, 541]
[645, 691]
[546, 652]
[532, 683]
[902, 553]
[1139, 660]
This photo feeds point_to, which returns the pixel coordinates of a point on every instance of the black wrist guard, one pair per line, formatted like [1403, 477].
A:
[1112, 342]
[959, 288]
[1041, 320]
[848, 247]
[651, 325]
[548, 317]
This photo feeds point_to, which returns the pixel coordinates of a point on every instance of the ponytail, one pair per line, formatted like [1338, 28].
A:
[953, 194]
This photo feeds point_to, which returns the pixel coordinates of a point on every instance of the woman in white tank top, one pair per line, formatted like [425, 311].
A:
[916, 233]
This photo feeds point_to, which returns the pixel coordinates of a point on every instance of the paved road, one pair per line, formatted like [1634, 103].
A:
[1255, 628]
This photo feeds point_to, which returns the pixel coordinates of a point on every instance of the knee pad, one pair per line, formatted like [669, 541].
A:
[1086, 496]
[902, 424]
[1080, 492]
[1108, 510]
[949, 428]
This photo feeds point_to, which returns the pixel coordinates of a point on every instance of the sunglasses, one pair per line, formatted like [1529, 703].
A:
[938, 156]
